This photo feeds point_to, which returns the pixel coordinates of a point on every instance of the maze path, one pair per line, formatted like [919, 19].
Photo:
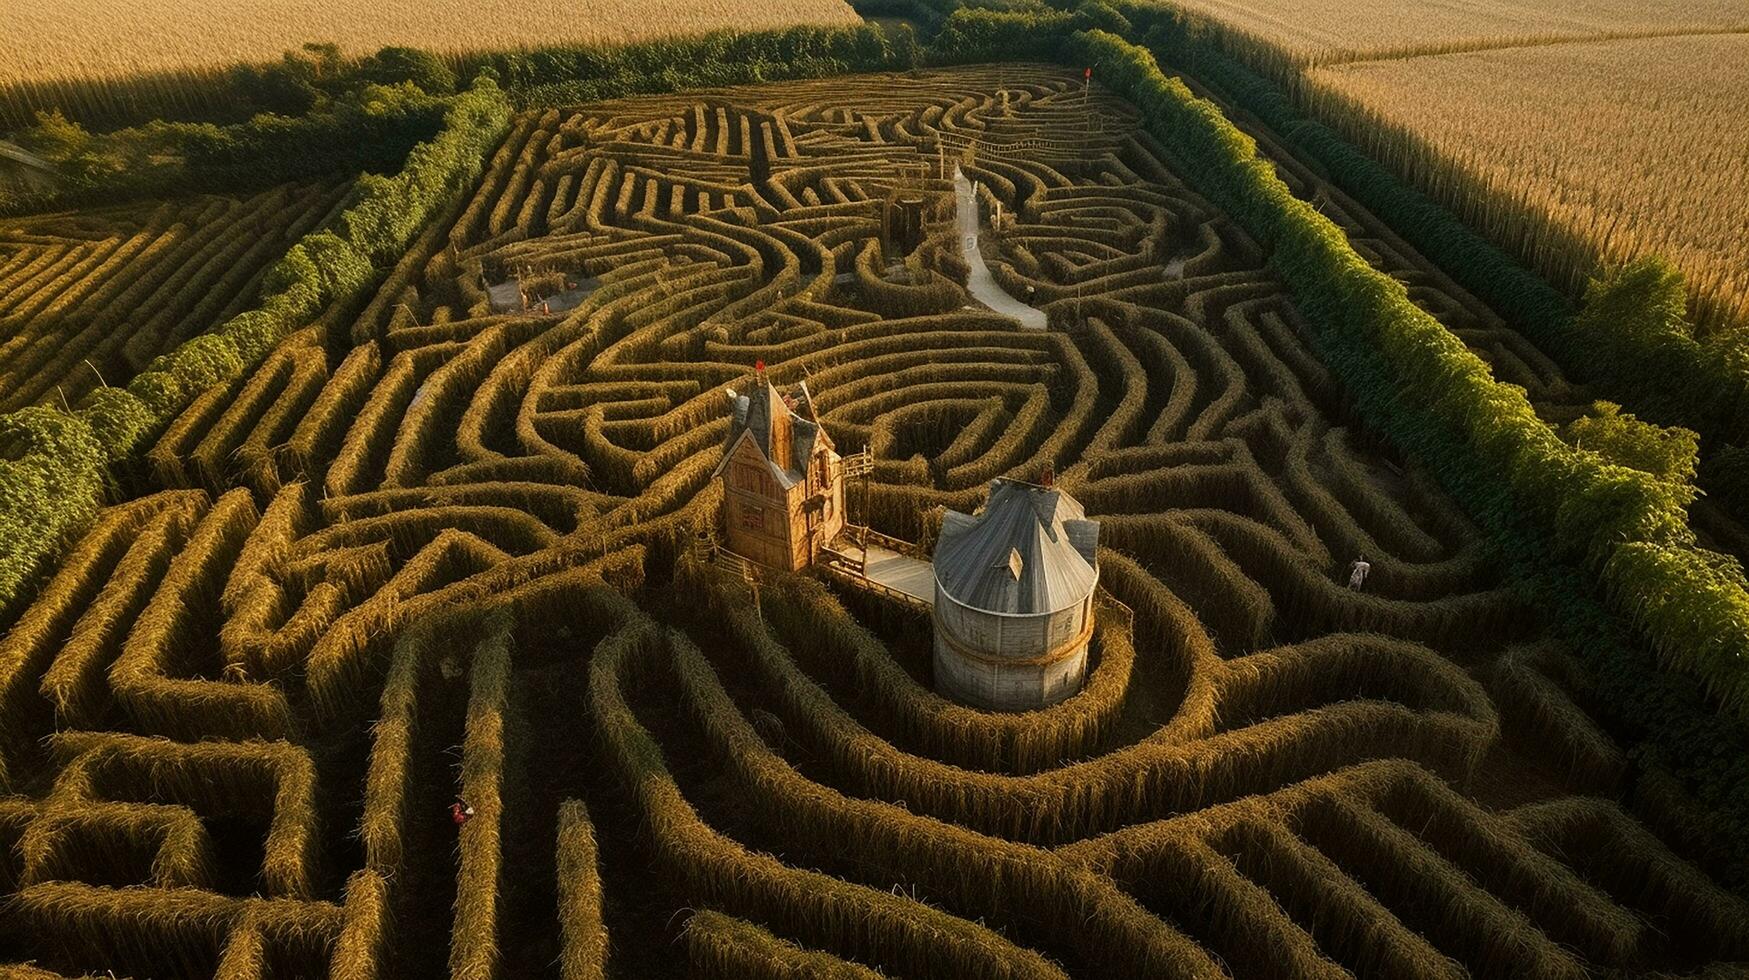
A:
[979, 283]
[445, 550]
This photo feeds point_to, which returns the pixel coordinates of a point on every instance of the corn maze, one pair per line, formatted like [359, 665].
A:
[90, 297]
[433, 549]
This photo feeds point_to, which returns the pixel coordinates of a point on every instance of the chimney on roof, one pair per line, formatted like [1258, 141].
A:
[1048, 477]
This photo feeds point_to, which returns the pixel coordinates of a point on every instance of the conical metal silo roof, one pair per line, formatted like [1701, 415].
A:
[1030, 550]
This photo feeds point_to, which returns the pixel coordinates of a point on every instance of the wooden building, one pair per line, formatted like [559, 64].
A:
[902, 225]
[904, 211]
[783, 482]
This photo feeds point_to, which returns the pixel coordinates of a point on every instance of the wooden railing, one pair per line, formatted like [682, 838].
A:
[891, 543]
[1018, 148]
[858, 464]
[862, 536]
[708, 551]
[860, 581]
[849, 561]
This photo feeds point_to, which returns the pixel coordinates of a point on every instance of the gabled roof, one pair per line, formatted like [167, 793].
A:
[806, 422]
[755, 415]
[1030, 550]
[784, 479]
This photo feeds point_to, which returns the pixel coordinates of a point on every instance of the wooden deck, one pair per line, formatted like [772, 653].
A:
[880, 569]
[901, 573]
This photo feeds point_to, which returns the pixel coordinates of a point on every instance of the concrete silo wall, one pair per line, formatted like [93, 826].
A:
[1009, 663]
[1008, 687]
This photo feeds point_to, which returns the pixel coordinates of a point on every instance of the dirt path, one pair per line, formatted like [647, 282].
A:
[980, 283]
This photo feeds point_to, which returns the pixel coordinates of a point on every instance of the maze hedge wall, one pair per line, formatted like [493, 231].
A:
[48, 490]
[1443, 404]
[1641, 355]
[89, 297]
[369, 128]
[54, 470]
[1632, 529]
[1690, 601]
[427, 549]
[1674, 723]
[1629, 530]
[422, 549]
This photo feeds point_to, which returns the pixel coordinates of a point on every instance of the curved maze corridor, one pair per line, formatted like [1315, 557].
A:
[428, 550]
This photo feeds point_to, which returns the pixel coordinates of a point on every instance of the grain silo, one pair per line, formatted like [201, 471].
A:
[1014, 591]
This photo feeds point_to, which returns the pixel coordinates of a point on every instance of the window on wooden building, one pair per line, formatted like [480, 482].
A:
[751, 477]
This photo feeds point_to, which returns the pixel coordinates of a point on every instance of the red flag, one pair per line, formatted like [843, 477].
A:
[759, 366]
[1087, 74]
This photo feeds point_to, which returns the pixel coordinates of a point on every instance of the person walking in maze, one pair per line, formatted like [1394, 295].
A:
[1357, 572]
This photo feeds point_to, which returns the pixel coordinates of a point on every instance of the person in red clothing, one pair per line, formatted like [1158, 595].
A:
[460, 811]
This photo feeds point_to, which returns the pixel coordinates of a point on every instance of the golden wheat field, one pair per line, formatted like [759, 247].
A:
[1285, 35]
[1546, 145]
[46, 40]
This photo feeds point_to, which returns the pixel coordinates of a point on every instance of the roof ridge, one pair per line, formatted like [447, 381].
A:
[974, 556]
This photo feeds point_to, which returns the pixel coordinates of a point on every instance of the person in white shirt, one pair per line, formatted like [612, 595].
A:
[1357, 572]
